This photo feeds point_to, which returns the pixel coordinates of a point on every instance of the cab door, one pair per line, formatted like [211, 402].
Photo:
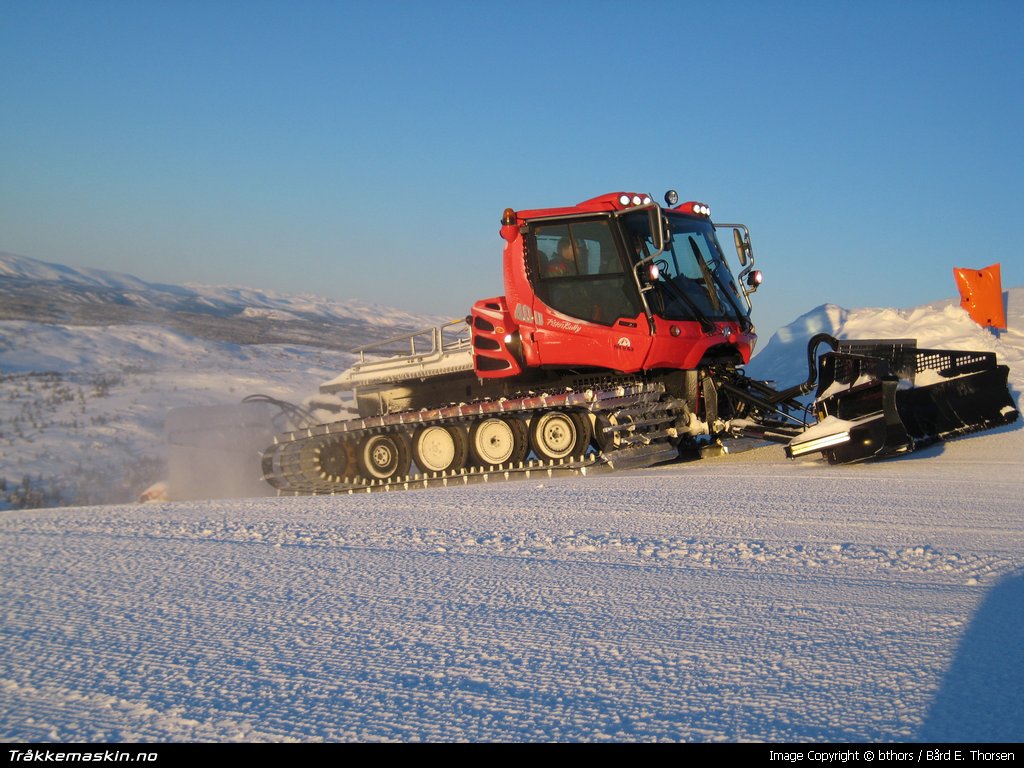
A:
[586, 308]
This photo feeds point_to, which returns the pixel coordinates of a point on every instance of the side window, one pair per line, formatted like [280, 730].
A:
[579, 272]
[557, 254]
[567, 250]
[600, 256]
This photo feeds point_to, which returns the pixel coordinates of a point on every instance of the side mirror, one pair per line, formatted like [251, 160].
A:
[742, 248]
[657, 227]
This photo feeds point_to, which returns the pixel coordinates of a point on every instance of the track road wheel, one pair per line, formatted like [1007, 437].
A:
[559, 434]
[601, 440]
[496, 440]
[334, 460]
[437, 448]
[384, 456]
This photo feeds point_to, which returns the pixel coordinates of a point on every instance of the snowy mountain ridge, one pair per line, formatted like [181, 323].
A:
[17, 267]
[39, 291]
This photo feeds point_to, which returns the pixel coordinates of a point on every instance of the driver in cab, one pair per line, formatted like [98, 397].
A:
[563, 263]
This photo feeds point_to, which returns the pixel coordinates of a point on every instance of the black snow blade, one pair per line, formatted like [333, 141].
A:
[881, 398]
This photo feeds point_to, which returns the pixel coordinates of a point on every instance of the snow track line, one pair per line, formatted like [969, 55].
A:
[735, 553]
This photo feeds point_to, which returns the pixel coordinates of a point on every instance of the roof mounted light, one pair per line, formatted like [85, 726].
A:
[672, 198]
[697, 209]
[630, 199]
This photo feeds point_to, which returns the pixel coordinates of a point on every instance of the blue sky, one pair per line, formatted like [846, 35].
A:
[356, 149]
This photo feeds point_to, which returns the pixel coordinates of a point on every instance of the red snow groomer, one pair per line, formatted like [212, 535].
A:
[620, 341]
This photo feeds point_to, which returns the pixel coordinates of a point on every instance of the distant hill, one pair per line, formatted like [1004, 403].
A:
[42, 292]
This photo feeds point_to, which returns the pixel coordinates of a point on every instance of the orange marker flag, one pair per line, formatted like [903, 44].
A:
[981, 294]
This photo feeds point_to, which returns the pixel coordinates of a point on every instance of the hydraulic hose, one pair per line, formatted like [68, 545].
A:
[812, 368]
[299, 415]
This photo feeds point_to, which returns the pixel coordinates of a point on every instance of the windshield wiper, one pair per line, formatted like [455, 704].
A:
[716, 303]
[741, 316]
[712, 279]
[706, 325]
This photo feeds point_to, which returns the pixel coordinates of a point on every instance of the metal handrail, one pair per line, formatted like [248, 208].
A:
[437, 341]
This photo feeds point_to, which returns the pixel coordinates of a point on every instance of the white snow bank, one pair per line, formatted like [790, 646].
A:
[941, 325]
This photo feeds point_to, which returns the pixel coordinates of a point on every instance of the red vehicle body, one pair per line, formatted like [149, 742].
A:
[606, 312]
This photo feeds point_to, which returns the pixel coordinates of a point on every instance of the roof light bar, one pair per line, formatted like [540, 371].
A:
[628, 200]
[697, 209]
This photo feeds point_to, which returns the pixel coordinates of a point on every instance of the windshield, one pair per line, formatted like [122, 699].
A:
[695, 282]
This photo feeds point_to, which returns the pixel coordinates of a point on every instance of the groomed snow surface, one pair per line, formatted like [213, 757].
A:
[746, 597]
